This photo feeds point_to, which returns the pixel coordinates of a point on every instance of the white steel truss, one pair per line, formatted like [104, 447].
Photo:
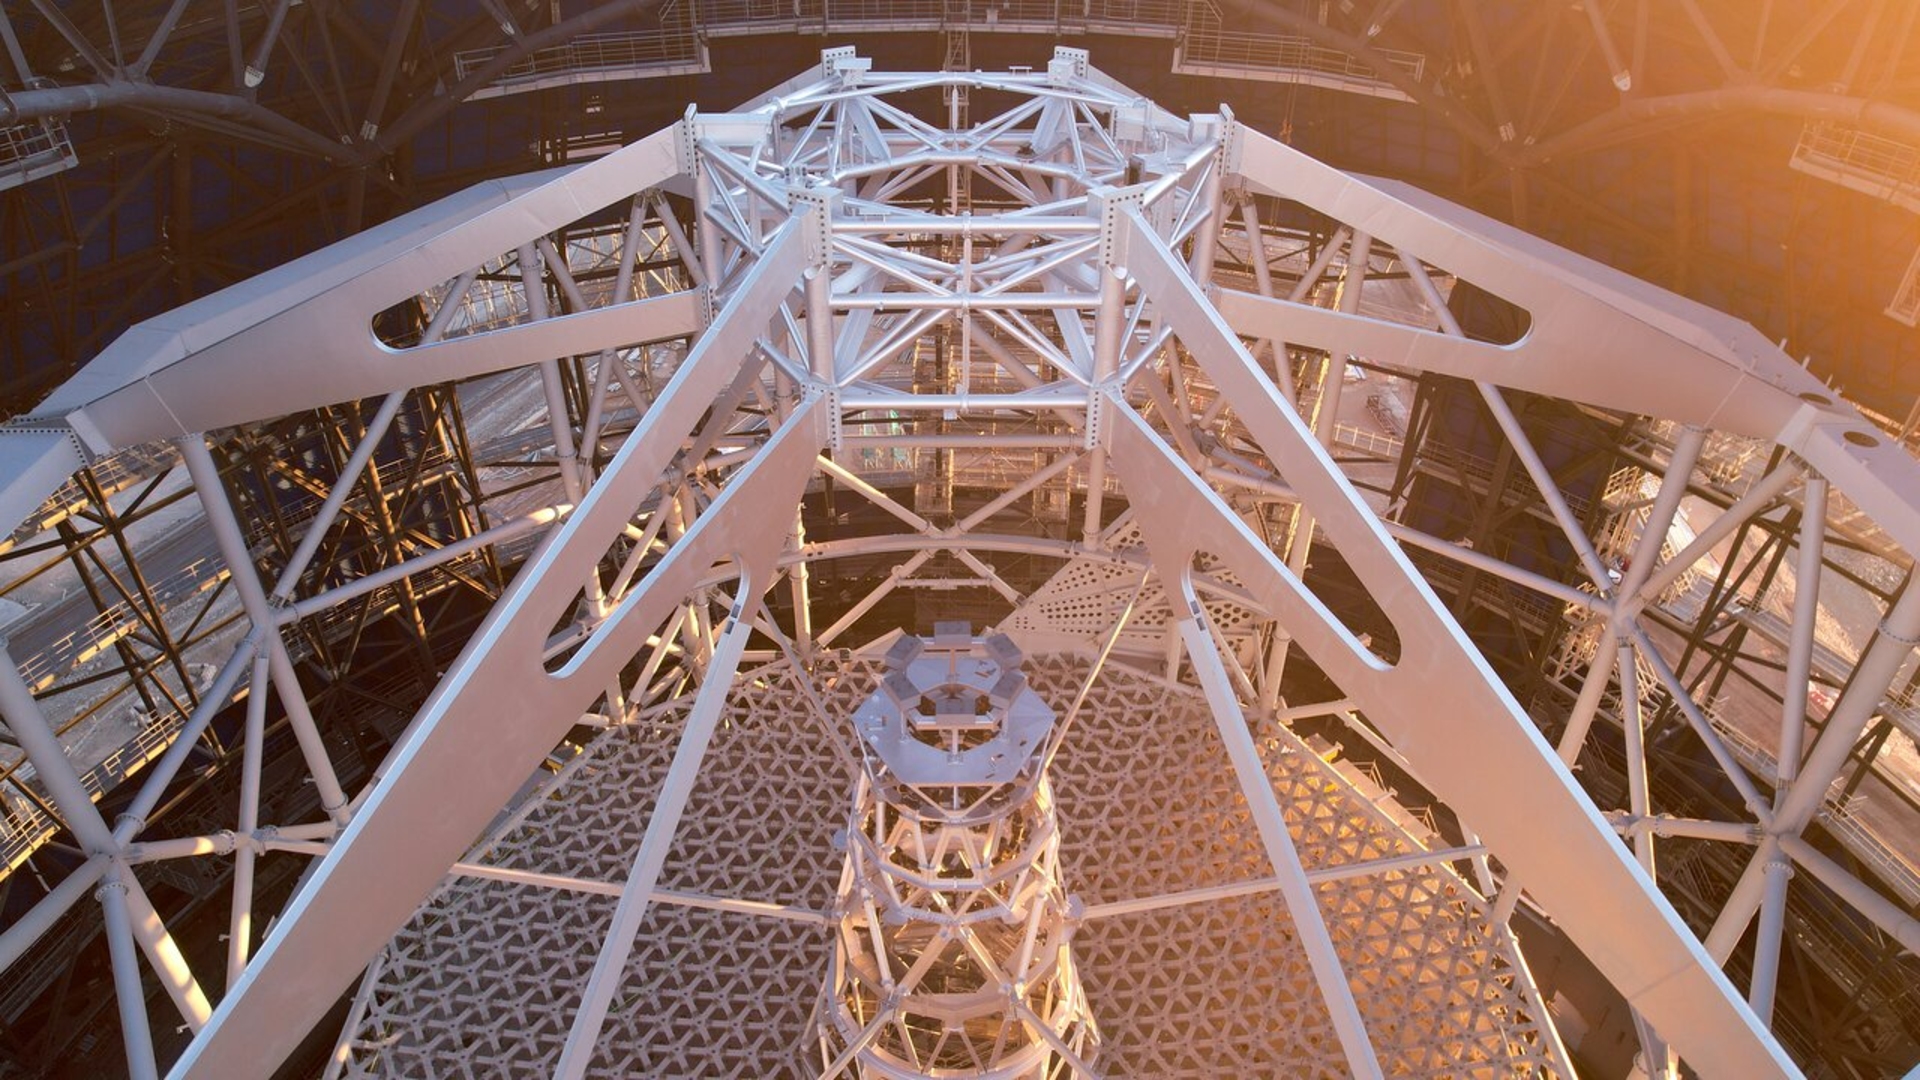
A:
[1066, 254]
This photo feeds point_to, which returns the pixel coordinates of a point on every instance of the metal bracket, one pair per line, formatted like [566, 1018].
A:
[1110, 205]
[1094, 435]
[831, 395]
[815, 207]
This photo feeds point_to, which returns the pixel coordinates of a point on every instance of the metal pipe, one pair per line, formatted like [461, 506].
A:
[246, 579]
[1858, 702]
[979, 301]
[1067, 397]
[1758, 497]
[983, 225]
[1806, 615]
[161, 774]
[1587, 705]
[559, 422]
[1767, 940]
[1633, 727]
[819, 297]
[1109, 326]
[256, 72]
[27, 930]
[963, 441]
[1412, 860]
[35, 736]
[342, 488]
[499, 534]
[127, 991]
[1887, 915]
[164, 956]
[240, 918]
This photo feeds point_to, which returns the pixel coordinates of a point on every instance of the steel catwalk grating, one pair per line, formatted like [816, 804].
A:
[483, 980]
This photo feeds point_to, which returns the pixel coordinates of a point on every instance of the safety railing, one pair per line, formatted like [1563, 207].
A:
[101, 632]
[1152, 18]
[1216, 50]
[1861, 160]
[32, 150]
[1371, 443]
[674, 48]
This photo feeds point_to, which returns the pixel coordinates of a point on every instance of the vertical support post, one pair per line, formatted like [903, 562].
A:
[1884, 656]
[240, 918]
[1634, 732]
[819, 290]
[1263, 282]
[1778, 871]
[127, 992]
[558, 421]
[1806, 613]
[800, 581]
[1109, 330]
[1776, 867]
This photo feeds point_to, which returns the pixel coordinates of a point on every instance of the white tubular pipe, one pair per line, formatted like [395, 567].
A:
[1542, 477]
[1666, 504]
[1587, 705]
[558, 422]
[1884, 657]
[185, 847]
[162, 773]
[1777, 871]
[246, 579]
[1109, 325]
[1806, 614]
[39, 919]
[1633, 729]
[127, 992]
[1263, 282]
[819, 296]
[35, 736]
[1884, 913]
[240, 918]
[1766, 946]
[1733, 832]
[1205, 208]
[1763, 492]
[1318, 268]
[361, 586]
[342, 488]
[164, 956]
[1071, 398]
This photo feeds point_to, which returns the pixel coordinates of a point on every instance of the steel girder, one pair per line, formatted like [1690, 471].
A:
[829, 242]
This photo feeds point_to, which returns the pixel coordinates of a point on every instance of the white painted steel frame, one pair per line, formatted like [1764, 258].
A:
[791, 227]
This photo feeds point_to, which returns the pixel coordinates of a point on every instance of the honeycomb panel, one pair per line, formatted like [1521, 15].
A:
[484, 980]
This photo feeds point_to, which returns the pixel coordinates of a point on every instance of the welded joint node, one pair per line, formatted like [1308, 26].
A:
[1224, 129]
